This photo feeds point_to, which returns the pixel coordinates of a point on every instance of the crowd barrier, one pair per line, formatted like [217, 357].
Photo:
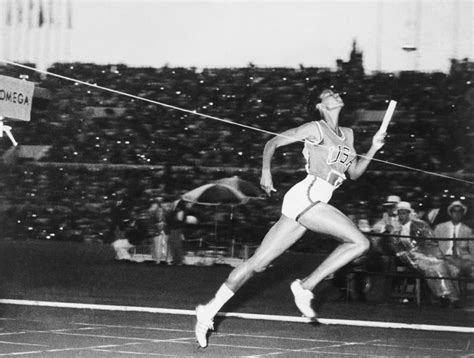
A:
[205, 253]
[406, 272]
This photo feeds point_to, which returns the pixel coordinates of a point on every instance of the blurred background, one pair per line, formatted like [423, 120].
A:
[252, 62]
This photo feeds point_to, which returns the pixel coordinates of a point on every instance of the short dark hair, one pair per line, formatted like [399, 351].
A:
[313, 99]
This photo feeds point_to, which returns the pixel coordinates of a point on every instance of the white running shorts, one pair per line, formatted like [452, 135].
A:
[304, 195]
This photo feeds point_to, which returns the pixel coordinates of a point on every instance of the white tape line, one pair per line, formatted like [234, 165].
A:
[23, 344]
[93, 306]
[280, 318]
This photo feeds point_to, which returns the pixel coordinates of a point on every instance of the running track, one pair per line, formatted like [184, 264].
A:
[73, 273]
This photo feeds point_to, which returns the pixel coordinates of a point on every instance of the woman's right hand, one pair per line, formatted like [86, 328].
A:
[378, 140]
[266, 182]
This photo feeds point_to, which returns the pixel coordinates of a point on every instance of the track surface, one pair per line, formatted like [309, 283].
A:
[86, 273]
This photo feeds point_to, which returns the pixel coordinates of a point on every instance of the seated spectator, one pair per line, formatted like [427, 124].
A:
[458, 252]
[433, 212]
[389, 221]
[424, 255]
[386, 225]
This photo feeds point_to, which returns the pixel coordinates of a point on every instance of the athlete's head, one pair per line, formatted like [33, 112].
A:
[330, 99]
[327, 99]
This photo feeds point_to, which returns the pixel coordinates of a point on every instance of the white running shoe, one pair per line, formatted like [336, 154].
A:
[303, 299]
[204, 323]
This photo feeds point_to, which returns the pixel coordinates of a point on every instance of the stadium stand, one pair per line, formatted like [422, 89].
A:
[98, 140]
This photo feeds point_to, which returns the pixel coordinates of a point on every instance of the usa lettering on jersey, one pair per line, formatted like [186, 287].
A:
[339, 154]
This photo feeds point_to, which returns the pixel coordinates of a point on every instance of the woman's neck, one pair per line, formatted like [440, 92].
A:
[332, 119]
[332, 122]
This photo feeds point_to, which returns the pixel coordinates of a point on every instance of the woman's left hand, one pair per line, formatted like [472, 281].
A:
[378, 140]
[266, 182]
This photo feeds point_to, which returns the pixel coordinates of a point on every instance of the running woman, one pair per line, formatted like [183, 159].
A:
[329, 153]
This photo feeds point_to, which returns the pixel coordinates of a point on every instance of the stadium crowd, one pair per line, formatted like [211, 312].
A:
[103, 141]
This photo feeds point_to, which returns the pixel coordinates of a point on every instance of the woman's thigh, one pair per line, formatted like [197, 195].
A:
[279, 238]
[326, 219]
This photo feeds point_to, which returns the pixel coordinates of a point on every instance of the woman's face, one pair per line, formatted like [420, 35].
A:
[331, 100]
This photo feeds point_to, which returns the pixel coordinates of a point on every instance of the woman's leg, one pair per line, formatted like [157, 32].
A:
[326, 219]
[281, 236]
[284, 233]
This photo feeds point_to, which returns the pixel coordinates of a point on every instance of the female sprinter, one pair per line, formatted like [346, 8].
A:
[329, 152]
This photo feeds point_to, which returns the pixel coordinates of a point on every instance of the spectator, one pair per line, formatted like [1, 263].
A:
[389, 221]
[120, 221]
[458, 252]
[386, 225]
[176, 223]
[137, 232]
[157, 215]
[433, 212]
[424, 255]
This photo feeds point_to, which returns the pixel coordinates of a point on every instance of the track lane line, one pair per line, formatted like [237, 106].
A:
[281, 318]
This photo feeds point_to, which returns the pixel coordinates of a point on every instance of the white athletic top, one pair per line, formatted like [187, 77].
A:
[329, 158]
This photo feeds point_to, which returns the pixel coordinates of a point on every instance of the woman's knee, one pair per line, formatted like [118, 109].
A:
[361, 243]
[364, 244]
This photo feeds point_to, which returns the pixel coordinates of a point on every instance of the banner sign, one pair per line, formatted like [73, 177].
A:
[16, 98]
